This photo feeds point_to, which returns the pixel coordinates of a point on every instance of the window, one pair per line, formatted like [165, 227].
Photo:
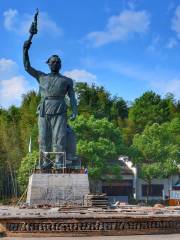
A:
[155, 190]
[122, 188]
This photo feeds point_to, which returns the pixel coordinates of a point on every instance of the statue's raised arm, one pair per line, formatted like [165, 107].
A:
[33, 30]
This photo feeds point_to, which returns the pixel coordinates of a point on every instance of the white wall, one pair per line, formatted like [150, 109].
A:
[167, 182]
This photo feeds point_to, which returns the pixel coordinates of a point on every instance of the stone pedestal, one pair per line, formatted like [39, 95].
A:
[57, 189]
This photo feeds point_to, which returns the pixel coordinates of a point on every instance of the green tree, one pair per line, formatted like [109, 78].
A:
[149, 109]
[27, 167]
[11, 147]
[95, 100]
[173, 105]
[156, 151]
[99, 141]
[17, 124]
[28, 123]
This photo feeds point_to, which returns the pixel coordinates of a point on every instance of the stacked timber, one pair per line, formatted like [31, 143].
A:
[96, 200]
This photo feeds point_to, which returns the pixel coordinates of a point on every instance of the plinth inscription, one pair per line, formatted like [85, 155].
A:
[91, 226]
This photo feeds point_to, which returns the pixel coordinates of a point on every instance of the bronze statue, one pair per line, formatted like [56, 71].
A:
[52, 110]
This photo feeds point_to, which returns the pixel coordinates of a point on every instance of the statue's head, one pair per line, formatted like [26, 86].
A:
[54, 63]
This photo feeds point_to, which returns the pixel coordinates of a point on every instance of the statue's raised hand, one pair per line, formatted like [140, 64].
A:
[33, 29]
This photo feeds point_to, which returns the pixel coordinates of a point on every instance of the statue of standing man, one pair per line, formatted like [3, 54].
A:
[52, 110]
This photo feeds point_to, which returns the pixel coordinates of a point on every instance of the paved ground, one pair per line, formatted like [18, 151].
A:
[137, 237]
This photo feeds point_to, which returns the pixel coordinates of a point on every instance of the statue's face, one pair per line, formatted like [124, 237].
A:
[54, 64]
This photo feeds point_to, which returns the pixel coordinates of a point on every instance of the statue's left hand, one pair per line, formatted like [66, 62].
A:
[73, 117]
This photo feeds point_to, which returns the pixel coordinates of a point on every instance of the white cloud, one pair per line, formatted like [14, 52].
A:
[154, 45]
[81, 76]
[121, 27]
[47, 25]
[11, 90]
[169, 86]
[20, 24]
[160, 80]
[172, 43]
[12, 85]
[7, 68]
[10, 17]
[175, 25]
[132, 4]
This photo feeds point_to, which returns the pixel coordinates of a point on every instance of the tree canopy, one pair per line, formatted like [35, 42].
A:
[94, 100]
[99, 141]
[148, 109]
[156, 150]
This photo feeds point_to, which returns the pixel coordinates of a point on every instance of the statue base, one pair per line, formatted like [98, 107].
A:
[57, 189]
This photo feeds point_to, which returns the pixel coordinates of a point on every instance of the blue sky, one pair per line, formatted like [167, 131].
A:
[128, 46]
